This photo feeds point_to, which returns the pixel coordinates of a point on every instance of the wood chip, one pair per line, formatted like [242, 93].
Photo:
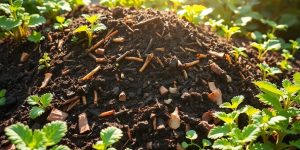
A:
[190, 50]
[102, 41]
[24, 57]
[216, 96]
[174, 121]
[56, 114]
[118, 40]
[134, 59]
[84, 100]
[100, 51]
[217, 69]
[160, 124]
[100, 60]
[147, 62]
[95, 98]
[217, 54]
[212, 86]
[190, 64]
[107, 113]
[90, 74]
[161, 49]
[46, 80]
[83, 124]
[122, 96]
[163, 91]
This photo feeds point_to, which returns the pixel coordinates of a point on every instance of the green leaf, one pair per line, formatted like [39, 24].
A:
[276, 119]
[250, 110]
[297, 78]
[38, 140]
[295, 143]
[269, 100]
[91, 19]
[205, 143]
[261, 146]
[184, 145]
[5, 8]
[35, 37]
[60, 147]
[36, 20]
[273, 45]
[191, 134]
[293, 89]
[83, 28]
[110, 135]
[235, 102]
[33, 100]
[99, 27]
[225, 144]
[99, 145]
[20, 135]
[249, 134]
[46, 99]
[2, 101]
[219, 131]
[36, 112]
[9, 23]
[227, 118]
[54, 132]
[2, 93]
[60, 19]
[268, 88]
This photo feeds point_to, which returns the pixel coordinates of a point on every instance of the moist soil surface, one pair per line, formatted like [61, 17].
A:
[162, 34]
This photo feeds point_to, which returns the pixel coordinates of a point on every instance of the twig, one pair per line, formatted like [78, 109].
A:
[84, 100]
[90, 74]
[73, 104]
[107, 113]
[134, 59]
[191, 50]
[102, 41]
[95, 98]
[70, 100]
[147, 61]
[190, 64]
[123, 55]
[159, 62]
[148, 46]
[146, 21]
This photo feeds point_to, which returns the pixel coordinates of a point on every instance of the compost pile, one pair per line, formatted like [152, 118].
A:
[183, 61]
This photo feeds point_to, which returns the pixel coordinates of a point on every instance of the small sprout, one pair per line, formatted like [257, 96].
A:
[2, 97]
[192, 135]
[61, 23]
[270, 45]
[235, 102]
[295, 46]
[284, 64]
[76, 3]
[94, 27]
[174, 121]
[194, 13]
[25, 138]
[267, 70]
[275, 27]
[39, 103]
[54, 7]
[215, 24]
[229, 31]
[109, 136]
[44, 62]
[35, 37]
[237, 52]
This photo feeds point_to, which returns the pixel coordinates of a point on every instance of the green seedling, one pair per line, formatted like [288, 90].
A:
[53, 8]
[194, 13]
[192, 135]
[48, 137]
[61, 23]
[270, 45]
[267, 70]
[15, 21]
[275, 27]
[284, 64]
[237, 52]
[39, 103]
[76, 3]
[215, 24]
[94, 27]
[109, 136]
[35, 37]
[229, 31]
[295, 46]
[44, 62]
[2, 97]
[235, 102]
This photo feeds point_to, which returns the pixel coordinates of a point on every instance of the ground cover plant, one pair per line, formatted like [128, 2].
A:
[149, 74]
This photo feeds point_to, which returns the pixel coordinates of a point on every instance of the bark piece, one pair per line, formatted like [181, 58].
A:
[57, 115]
[83, 123]
[163, 91]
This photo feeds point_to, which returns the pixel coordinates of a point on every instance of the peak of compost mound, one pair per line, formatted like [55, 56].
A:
[181, 62]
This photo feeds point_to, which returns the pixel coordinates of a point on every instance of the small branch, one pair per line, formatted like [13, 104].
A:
[102, 41]
[134, 59]
[123, 55]
[148, 60]
[95, 98]
[107, 113]
[90, 74]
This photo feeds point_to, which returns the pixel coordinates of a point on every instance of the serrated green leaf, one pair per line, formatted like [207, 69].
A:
[268, 88]
[9, 23]
[191, 134]
[225, 144]
[35, 37]
[269, 100]
[99, 145]
[276, 119]
[205, 143]
[273, 45]
[249, 134]
[91, 18]
[83, 28]
[219, 131]
[5, 8]
[99, 27]
[286, 83]
[250, 110]
[184, 145]
[54, 132]
[18, 3]
[227, 118]
[60, 19]
[295, 143]
[110, 135]
[293, 89]
[296, 78]
[235, 102]
[33, 100]
[20, 135]
[60, 147]
[36, 112]
[38, 140]
[46, 99]
[36, 20]
[261, 146]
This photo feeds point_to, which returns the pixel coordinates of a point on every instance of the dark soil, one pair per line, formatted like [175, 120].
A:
[143, 97]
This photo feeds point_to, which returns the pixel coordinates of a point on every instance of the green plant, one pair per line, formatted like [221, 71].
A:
[215, 24]
[35, 37]
[76, 3]
[109, 136]
[295, 46]
[15, 21]
[229, 31]
[26, 139]
[2, 97]
[123, 3]
[270, 45]
[238, 51]
[267, 70]
[53, 8]
[61, 22]
[275, 27]
[284, 64]
[39, 103]
[192, 135]
[94, 27]
[194, 13]
[44, 62]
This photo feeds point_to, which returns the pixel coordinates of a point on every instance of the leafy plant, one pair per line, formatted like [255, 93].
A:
[270, 45]
[192, 135]
[2, 97]
[26, 139]
[229, 31]
[215, 24]
[61, 22]
[109, 136]
[39, 103]
[35, 37]
[53, 8]
[44, 62]
[76, 3]
[267, 70]
[123, 3]
[194, 13]
[284, 64]
[275, 27]
[295, 46]
[94, 27]
[15, 21]
[238, 51]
